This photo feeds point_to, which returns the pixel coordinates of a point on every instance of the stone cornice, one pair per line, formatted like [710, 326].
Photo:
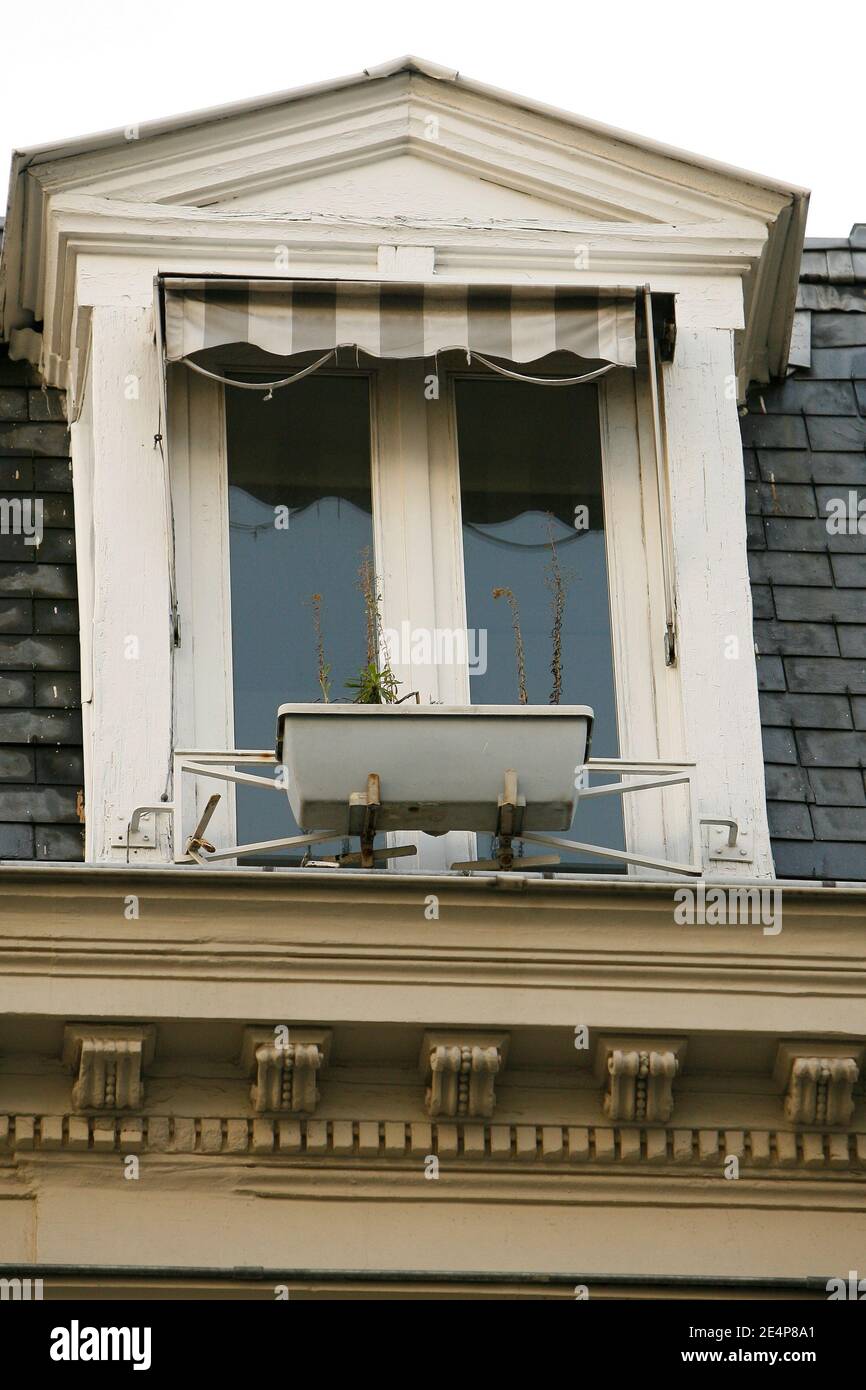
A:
[566, 953]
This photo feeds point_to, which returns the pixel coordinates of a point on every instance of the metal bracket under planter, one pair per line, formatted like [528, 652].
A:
[364, 806]
[363, 809]
[508, 828]
[655, 776]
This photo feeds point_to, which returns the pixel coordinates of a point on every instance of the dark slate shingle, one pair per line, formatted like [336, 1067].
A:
[41, 773]
[825, 675]
[805, 711]
[796, 639]
[837, 786]
[808, 434]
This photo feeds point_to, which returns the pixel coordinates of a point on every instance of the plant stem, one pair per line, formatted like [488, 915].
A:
[518, 642]
[376, 683]
[322, 667]
[556, 584]
[367, 585]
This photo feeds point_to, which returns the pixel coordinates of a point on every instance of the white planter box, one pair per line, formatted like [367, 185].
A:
[440, 768]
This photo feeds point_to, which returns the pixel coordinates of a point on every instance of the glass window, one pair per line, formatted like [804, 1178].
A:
[300, 521]
[535, 560]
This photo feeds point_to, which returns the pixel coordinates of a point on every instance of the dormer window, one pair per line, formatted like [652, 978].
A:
[522, 237]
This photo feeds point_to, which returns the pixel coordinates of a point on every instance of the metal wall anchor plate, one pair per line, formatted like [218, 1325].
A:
[140, 836]
[719, 846]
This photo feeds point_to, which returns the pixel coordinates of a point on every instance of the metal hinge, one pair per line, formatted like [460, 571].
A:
[670, 645]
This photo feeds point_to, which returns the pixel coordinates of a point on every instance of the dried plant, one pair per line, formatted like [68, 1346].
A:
[556, 583]
[370, 594]
[376, 683]
[518, 642]
[323, 669]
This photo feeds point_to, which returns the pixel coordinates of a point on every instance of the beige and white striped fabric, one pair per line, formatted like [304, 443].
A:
[516, 323]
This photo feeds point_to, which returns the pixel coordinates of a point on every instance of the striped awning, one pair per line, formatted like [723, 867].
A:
[516, 323]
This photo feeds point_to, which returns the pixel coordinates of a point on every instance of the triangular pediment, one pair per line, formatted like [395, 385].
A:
[408, 148]
[406, 144]
[405, 186]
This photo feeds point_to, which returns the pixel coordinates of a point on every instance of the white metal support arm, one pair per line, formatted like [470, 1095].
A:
[635, 776]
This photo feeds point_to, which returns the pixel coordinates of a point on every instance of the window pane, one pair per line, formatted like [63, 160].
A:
[300, 518]
[531, 494]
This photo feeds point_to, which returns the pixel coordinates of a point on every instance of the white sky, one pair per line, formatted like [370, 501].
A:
[773, 85]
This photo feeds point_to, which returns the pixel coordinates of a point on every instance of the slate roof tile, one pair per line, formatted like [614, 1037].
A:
[837, 862]
[771, 674]
[785, 499]
[776, 431]
[849, 571]
[839, 822]
[793, 533]
[839, 469]
[779, 746]
[40, 720]
[787, 783]
[814, 728]
[778, 567]
[837, 363]
[762, 601]
[825, 675]
[838, 330]
[788, 821]
[837, 786]
[852, 638]
[797, 711]
[815, 397]
[826, 748]
[58, 842]
[837, 433]
[16, 842]
[796, 639]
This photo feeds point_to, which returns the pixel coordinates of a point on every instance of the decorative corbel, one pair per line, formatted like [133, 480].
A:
[284, 1063]
[818, 1081]
[108, 1060]
[639, 1075]
[460, 1069]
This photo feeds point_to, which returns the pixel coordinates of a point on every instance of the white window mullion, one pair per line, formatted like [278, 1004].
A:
[416, 527]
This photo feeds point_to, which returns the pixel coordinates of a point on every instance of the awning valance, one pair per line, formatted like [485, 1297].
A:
[516, 323]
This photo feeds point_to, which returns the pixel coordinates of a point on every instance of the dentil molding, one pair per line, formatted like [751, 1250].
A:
[524, 1145]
